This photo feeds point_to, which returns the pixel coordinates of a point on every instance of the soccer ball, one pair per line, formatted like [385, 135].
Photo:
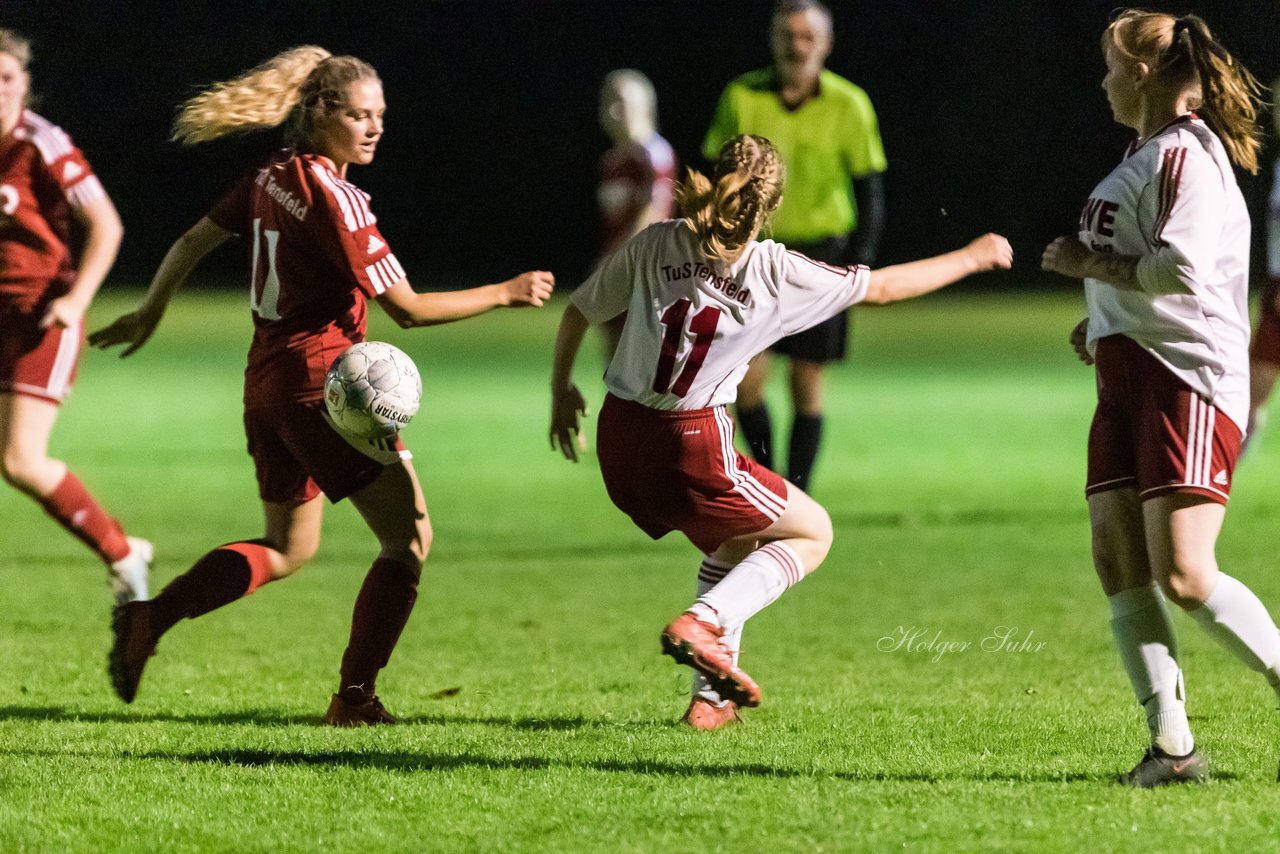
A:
[372, 390]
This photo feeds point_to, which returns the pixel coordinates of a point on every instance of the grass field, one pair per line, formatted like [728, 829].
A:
[541, 716]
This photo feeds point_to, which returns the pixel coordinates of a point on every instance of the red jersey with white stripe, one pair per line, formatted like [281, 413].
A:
[1174, 201]
[317, 254]
[692, 324]
[634, 177]
[43, 176]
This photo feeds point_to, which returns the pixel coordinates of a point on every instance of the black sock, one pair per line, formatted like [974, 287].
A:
[806, 433]
[758, 432]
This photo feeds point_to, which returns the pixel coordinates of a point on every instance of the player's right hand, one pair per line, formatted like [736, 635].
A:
[991, 251]
[567, 405]
[533, 288]
[1079, 336]
[132, 329]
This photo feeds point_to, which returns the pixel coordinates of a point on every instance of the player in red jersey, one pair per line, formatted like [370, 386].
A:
[637, 175]
[702, 296]
[317, 256]
[46, 185]
[1264, 350]
[1163, 249]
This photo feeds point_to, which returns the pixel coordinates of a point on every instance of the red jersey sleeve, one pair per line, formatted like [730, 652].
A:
[349, 234]
[66, 164]
[233, 209]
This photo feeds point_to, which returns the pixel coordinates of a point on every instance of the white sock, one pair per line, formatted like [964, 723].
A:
[1237, 619]
[750, 586]
[711, 573]
[1144, 637]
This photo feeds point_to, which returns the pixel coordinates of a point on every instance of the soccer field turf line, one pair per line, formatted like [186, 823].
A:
[946, 681]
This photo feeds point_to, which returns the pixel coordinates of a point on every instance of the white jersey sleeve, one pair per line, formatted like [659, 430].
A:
[606, 293]
[810, 291]
[1186, 211]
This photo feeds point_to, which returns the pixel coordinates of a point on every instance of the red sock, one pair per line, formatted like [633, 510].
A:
[74, 508]
[382, 609]
[219, 578]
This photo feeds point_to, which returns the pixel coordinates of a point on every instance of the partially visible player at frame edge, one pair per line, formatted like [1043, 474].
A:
[1163, 250]
[702, 297]
[317, 256]
[1264, 351]
[637, 174]
[46, 185]
[826, 132]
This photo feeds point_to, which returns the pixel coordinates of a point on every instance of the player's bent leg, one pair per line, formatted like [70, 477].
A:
[1182, 530]
[396, 512]
[1143, 634]
[229, 572]
[25, 425]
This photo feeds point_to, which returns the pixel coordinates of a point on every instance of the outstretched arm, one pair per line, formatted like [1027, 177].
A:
[187, 251]
[566, 401]
[904, 281]
[409, 308]
[1069, 257]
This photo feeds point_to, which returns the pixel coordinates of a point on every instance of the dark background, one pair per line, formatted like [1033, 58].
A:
[992, 113]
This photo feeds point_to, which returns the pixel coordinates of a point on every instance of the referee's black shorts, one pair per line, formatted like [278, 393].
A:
[829, 340]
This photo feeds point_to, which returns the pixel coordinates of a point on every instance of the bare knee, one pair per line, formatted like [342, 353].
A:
[816, 544]
[1189, 579]
[1120, 558]
[27, 472]
[410, 547]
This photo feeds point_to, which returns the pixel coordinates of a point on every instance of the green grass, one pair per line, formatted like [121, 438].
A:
[540, 713]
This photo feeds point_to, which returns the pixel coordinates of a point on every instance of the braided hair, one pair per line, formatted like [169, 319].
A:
[726, 211]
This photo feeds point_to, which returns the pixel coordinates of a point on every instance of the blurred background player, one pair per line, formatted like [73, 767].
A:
[826, 133]
[1163, 250]
[637, 175]
[46, 187]
[701, 298]
[1264, 353]
[317, 256]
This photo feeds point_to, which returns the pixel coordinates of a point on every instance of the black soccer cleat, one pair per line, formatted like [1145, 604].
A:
[134, 644]
[1158, 768]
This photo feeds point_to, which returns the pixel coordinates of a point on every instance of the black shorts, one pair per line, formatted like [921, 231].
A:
[829, 340]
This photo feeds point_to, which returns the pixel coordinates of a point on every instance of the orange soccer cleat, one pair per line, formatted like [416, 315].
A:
[707, 716]
[690, 641]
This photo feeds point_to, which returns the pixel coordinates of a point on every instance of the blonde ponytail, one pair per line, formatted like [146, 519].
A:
[726, 213]
[1183, 52]
[300, 86]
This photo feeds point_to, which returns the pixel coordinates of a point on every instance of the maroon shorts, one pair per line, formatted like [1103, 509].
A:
[37, 362]
[297, 455]
[1152, 432]
[678, 471]
[1266, 341]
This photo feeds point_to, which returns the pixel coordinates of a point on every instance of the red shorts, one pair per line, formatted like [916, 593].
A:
[678, 471]
[1152, 432]
[1266, 341]
[34, 361]
[297, 455]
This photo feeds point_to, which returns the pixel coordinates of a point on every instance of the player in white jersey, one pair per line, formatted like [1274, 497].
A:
[701, 297]
[1163, 250]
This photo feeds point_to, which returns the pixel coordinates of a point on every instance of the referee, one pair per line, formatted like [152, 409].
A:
[832, 207]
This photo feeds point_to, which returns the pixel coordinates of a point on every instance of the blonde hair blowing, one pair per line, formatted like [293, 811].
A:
[1183, 52]
[728, 210]
[299, 86]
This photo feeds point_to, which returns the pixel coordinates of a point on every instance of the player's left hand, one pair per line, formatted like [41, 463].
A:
[533, 288]
[64, 312]
[567, 405]
[1066, 256]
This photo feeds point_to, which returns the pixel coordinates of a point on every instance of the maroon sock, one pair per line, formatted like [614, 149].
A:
[382, 609]
[74, 508]
[220, 577]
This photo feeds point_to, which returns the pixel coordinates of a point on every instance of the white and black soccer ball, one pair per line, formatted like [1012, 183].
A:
[372, 390]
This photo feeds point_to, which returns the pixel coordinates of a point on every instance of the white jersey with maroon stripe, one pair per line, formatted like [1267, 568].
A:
[692, 325]
[1174, 201]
